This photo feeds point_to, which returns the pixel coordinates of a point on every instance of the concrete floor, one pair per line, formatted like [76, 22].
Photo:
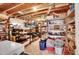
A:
[33, 48]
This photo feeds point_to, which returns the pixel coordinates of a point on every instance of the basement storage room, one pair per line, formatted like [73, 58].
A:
[37, 29]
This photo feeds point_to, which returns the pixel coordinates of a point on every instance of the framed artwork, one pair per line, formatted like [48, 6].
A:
[56, 27]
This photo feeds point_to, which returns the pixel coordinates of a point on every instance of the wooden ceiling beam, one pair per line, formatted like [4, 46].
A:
[20, 7]
[6, 6]
[13, 7]
[57, 10]
[1, 3]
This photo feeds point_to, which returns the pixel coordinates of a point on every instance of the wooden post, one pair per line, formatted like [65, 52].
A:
[8, 28]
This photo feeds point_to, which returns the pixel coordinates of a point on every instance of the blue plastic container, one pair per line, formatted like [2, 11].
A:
[42, 44]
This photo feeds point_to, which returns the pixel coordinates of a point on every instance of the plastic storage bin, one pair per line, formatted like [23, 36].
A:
[50, 43]
[42, 44]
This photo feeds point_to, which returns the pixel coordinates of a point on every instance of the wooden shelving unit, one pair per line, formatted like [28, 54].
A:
[70, 25]
[3, 29]
[56, 32]
[25, 35]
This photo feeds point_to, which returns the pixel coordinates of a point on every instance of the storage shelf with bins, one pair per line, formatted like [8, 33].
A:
[56, 32]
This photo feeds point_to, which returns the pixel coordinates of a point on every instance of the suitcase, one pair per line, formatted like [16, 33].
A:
[42, 44]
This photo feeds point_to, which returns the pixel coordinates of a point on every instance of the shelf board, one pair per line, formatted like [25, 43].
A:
[70, 22]
[56, 31]
[55, 36]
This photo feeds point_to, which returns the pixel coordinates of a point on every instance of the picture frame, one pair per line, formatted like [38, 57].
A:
[56, 27]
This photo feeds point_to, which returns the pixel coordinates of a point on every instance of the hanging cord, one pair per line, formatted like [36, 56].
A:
[49, 9]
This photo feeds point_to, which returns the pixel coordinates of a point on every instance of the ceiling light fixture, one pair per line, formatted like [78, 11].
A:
[38, 19]
[20, 12]
[34, 8]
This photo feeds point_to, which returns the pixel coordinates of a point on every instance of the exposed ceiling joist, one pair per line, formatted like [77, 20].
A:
[20, 7]
[57, 10]
[26, 8]
[5, 6]
[40, 7]
[1, 3]
[13, 7]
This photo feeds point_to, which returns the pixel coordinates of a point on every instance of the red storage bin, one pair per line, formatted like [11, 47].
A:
[50, 49]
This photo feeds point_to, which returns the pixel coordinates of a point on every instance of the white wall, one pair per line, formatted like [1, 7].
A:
[77, 28]
[19, 22]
